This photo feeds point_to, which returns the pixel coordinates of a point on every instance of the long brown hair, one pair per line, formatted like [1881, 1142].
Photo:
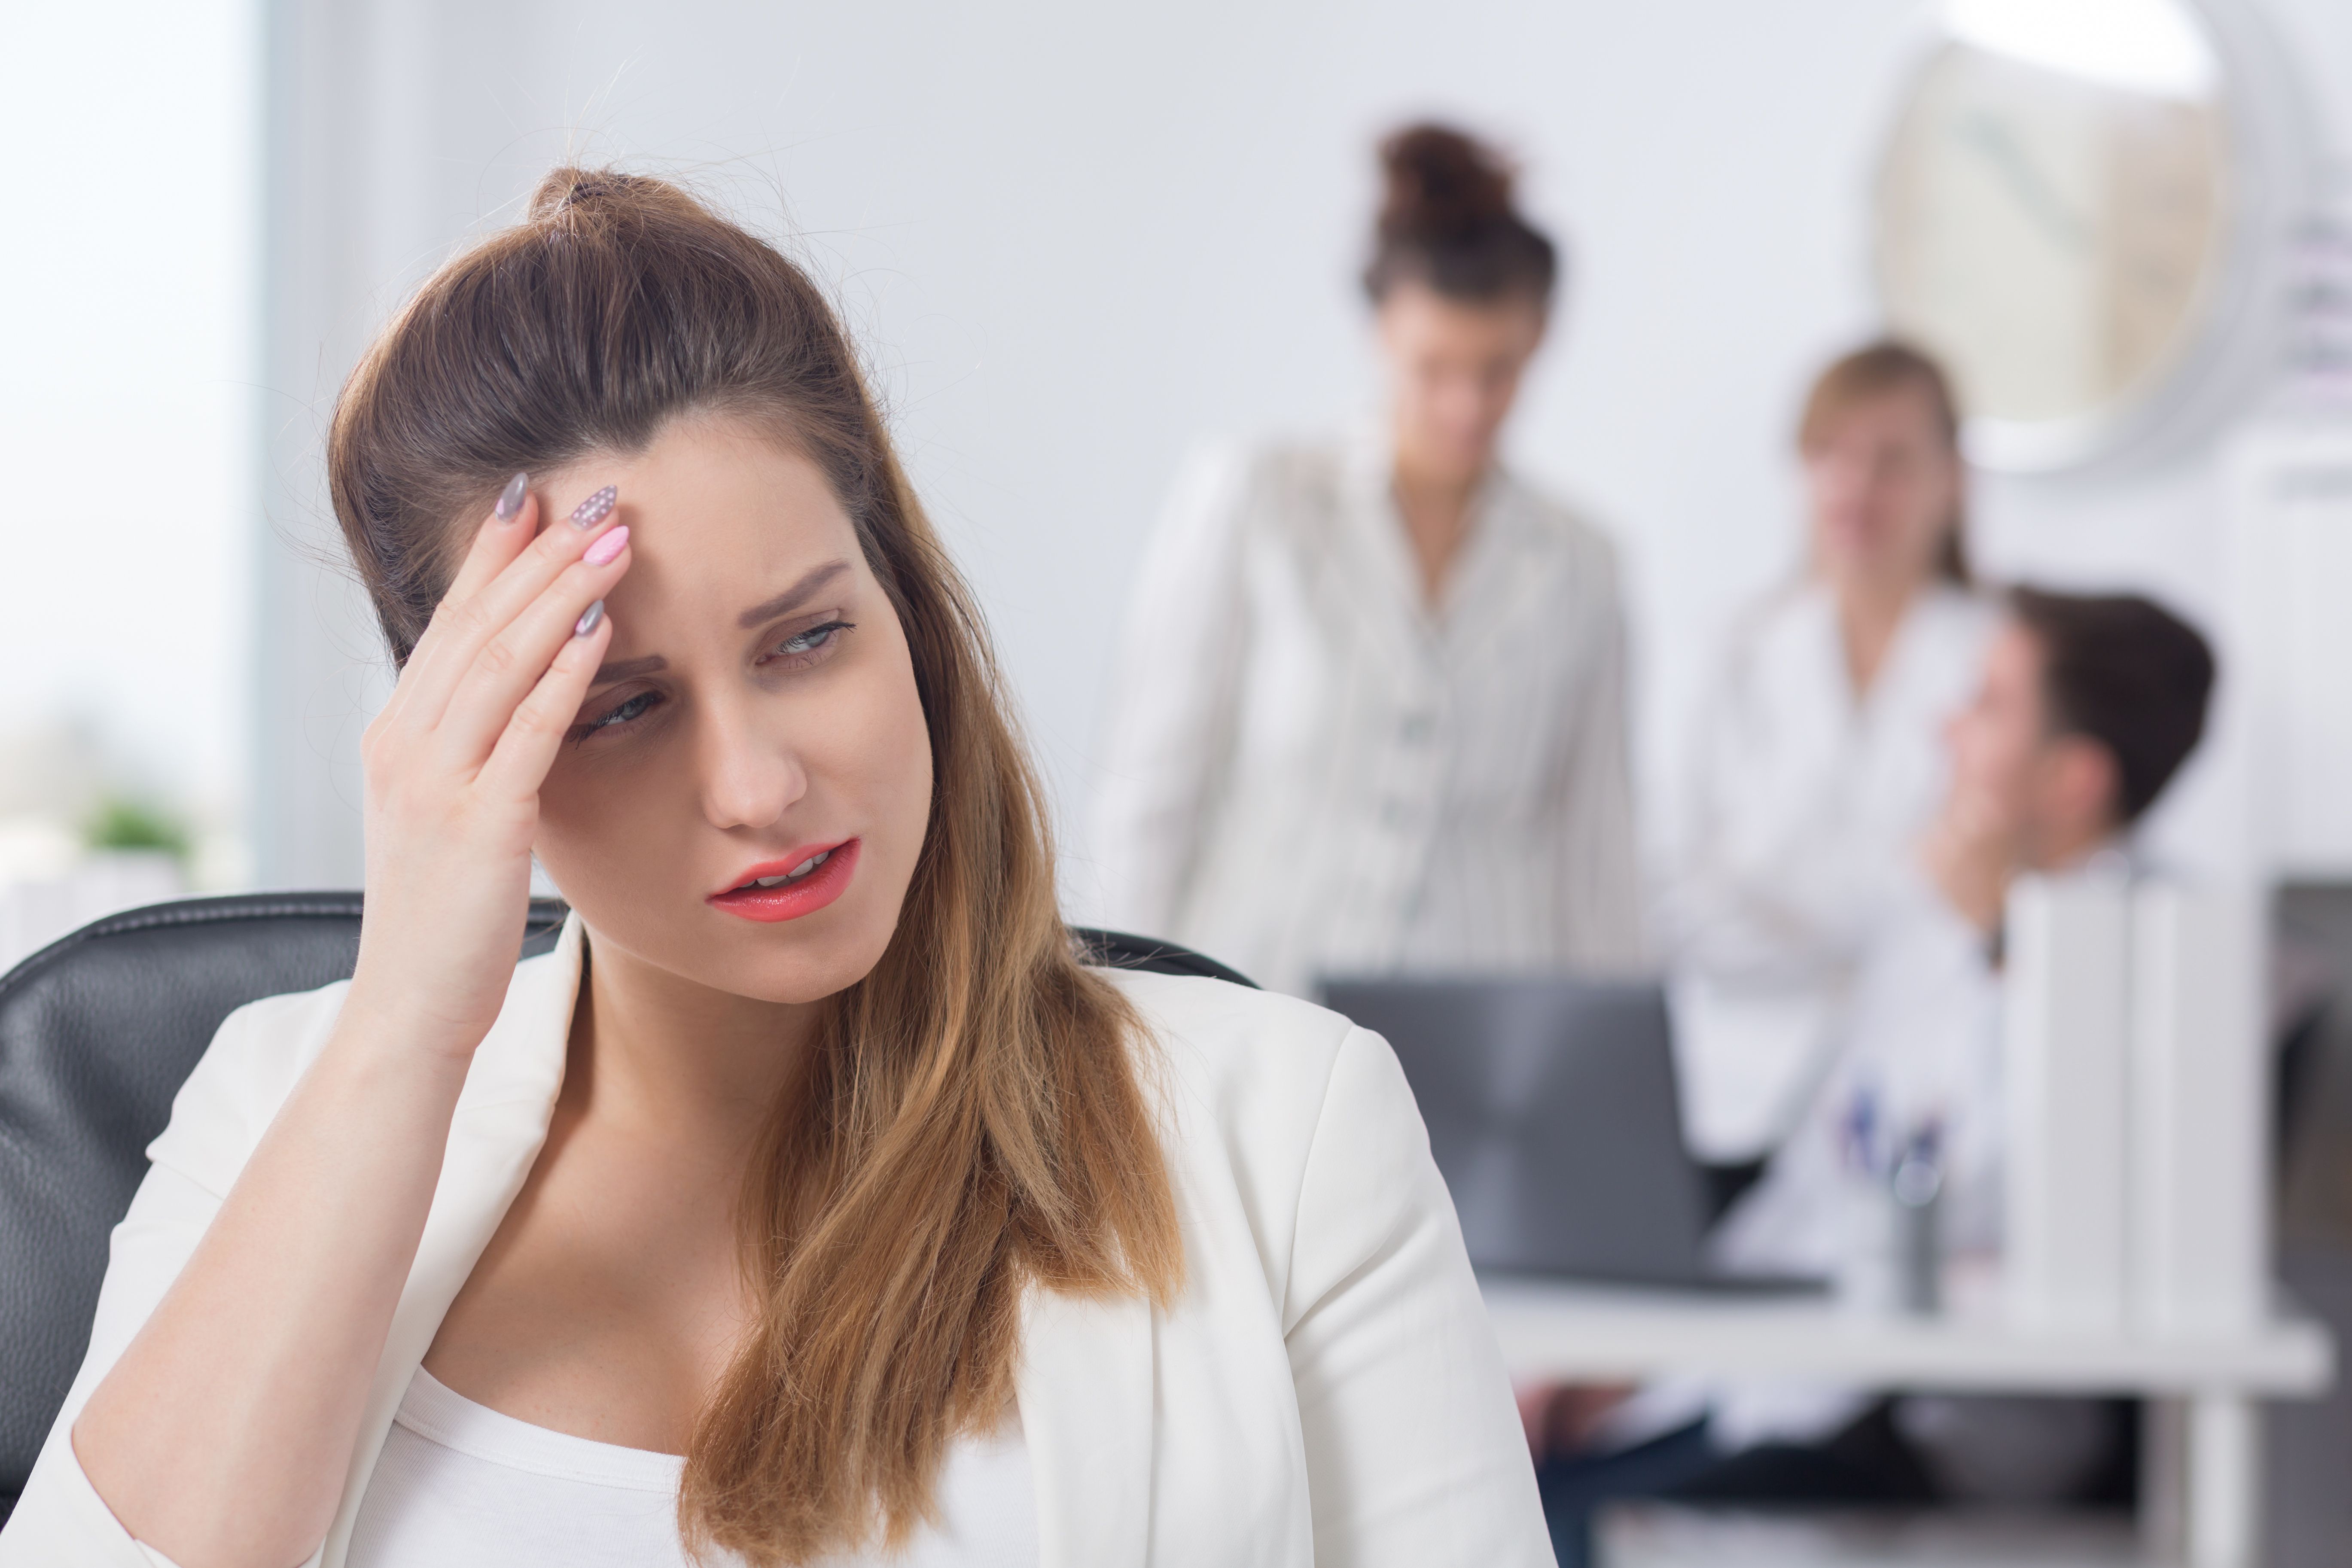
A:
[973, 1120]
[1880, 370]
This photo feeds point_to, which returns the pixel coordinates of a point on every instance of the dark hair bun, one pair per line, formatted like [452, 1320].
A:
[1441, 184]
[1446, 222]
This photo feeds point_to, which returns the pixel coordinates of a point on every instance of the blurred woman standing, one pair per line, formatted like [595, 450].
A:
[1820, 760]
[1369, 714]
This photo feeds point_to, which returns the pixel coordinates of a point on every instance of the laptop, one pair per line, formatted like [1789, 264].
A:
[1553, 1112]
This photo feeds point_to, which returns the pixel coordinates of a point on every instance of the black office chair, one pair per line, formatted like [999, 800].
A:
[97, 1033]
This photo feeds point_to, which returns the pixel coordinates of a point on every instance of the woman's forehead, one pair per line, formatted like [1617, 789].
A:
[719, 515]
[723, 494]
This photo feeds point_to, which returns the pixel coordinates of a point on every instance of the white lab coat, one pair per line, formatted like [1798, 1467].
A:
[1916, 1044]
[1307, 772]
[1803, 813]
[1917, 1047]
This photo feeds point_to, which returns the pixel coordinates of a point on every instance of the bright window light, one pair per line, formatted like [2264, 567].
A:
[2148, 46]
[127, 432]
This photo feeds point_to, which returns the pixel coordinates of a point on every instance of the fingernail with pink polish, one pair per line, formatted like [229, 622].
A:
[592, 510]
[602, 553]
[510, 498]
[588, 620]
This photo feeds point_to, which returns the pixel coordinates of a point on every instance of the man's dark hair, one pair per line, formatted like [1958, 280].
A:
[2125, 672]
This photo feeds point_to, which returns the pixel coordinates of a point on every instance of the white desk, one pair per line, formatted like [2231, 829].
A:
[2206, 1450]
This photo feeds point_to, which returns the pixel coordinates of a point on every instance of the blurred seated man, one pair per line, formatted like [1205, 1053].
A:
[2087, 708]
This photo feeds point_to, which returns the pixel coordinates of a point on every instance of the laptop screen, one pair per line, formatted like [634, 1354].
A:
[1551, 1109]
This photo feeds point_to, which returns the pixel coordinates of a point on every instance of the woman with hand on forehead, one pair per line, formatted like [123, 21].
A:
[812, 1200]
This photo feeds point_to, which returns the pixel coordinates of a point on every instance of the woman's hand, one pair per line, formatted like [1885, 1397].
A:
[224, 1433]
[454, 765]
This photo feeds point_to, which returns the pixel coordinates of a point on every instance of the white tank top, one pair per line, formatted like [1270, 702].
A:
[460, 1486]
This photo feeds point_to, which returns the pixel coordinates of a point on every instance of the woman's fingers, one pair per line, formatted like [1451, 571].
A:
[462, 628]
[500, 537]
[525, 747]
[511, 663]
[513, 522]
[504, 534]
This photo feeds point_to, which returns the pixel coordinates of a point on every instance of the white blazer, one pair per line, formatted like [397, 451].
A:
[1326, 1390]
[1802, 820]
[1307, 772]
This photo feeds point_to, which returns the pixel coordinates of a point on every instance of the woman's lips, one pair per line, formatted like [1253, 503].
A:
[804, 895]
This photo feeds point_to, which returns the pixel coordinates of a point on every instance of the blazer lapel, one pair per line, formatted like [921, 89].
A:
[1085, 1394]
[494, 1138]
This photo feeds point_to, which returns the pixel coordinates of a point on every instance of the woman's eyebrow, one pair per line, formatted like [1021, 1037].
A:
[622, 669]
[793, 598]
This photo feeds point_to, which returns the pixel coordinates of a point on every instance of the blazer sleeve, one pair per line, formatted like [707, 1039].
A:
[60, 1518]
[215, 1118]
[1414, 1452]
[1174, 691]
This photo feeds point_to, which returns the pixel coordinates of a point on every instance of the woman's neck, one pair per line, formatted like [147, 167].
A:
[680, 1060]
[1436, 512]
[1870, 614]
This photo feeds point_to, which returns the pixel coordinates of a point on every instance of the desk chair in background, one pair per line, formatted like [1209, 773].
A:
[98, 1030]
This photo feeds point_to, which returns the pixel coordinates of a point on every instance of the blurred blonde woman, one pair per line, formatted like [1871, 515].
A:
[1370, 710]
[1819, 759]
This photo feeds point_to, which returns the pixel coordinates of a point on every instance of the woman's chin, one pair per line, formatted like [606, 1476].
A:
[783, 963]
[790, 962]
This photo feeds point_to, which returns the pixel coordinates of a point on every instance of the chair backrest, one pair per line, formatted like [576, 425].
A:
[97, 1033]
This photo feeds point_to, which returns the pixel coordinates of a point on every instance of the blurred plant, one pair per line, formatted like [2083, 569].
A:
[121, 823]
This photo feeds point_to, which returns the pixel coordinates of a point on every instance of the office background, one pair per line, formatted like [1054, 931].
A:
[1075, 242]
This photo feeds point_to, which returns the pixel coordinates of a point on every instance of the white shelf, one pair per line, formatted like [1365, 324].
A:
[1600, 1333]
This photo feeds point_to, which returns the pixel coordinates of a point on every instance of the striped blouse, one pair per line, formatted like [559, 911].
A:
[1310, 771]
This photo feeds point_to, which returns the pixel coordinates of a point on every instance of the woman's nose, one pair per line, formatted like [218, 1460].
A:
[749, 779]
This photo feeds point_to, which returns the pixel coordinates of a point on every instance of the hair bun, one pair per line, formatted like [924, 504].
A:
[1441, 183]
[570, 189]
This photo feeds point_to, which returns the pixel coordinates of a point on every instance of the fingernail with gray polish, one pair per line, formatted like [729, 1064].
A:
[592, 510]
[588, 619]
[510, 498]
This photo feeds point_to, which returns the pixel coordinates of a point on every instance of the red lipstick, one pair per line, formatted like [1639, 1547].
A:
[792, 890]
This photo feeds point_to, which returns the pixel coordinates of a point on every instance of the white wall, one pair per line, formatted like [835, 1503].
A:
[1078, 238]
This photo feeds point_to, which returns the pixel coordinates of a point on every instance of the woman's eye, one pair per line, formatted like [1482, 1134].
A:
[816, 639]
[636, 707]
